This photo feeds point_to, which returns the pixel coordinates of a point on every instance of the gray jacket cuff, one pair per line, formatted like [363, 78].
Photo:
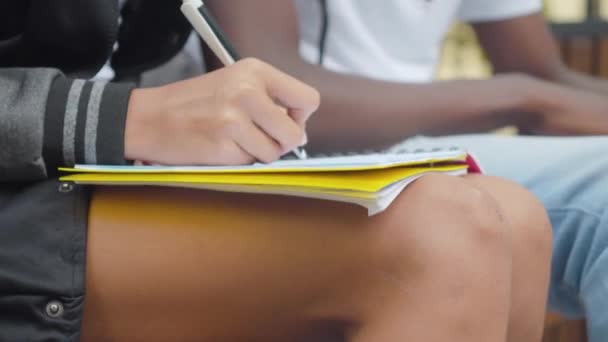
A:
[85, 123]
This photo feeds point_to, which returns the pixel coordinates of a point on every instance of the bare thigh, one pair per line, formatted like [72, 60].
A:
[171, 265]
[182, 265]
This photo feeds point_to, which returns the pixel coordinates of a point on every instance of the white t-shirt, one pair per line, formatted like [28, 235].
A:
[393, 40]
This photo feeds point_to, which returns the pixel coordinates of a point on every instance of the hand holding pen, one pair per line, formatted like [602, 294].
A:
[240, 114]
[206, 26]
[227, 117]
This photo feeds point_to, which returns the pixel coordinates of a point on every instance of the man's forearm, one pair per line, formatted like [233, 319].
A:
[358, 113]
[580, 81]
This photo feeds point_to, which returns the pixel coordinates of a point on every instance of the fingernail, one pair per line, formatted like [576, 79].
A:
[304, 140]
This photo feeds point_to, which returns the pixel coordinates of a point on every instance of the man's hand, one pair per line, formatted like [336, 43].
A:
[233, 116]
[567, 111]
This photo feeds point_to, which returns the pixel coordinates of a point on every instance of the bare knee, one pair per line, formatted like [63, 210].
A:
[530, 226]
[443, 220]
[441, 236]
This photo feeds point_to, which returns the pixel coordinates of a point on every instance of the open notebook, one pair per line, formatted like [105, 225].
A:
[371, 180]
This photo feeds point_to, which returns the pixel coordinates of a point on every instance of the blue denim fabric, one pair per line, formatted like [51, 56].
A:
[570, 176]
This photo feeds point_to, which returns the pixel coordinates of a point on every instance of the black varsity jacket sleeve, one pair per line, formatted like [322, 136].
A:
[48, 120]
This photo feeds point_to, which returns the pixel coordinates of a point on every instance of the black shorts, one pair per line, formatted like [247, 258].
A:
[42, 261]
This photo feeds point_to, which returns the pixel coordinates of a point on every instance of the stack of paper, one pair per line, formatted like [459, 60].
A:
[372, 180]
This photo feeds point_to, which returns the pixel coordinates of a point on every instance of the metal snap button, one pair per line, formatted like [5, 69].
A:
[54, 309]
[66, 187]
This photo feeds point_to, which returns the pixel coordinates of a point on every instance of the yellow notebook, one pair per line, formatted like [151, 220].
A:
[369, 180]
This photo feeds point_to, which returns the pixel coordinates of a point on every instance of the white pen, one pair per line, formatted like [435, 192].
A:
[205, 25]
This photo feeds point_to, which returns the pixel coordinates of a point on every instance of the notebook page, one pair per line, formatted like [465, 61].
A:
[351, 162]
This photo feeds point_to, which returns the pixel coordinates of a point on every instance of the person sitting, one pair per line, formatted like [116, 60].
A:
[154, 264]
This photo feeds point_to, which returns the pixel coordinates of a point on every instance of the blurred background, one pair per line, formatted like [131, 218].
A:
[580, 25]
